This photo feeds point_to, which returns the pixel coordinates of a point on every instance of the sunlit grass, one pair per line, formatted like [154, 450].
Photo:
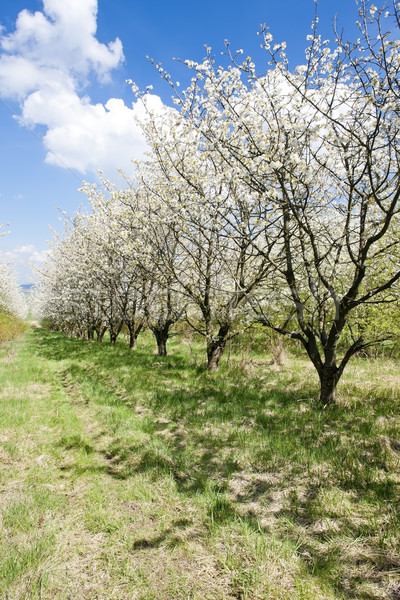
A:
[186, 484]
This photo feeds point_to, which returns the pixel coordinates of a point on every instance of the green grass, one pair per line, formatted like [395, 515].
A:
[127, 475]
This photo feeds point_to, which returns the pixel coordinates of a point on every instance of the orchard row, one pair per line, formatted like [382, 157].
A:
[12, 301]
[267, 198]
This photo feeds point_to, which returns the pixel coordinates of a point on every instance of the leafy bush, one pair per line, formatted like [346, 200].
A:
[10, 327]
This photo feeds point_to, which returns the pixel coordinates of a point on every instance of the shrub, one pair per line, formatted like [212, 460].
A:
[10, 327]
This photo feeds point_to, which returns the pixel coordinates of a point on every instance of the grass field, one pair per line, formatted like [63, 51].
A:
[128, 476]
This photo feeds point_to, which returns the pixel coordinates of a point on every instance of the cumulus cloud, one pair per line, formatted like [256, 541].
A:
[23, 255]
[57, 42]
[46, 63]
[88, 136]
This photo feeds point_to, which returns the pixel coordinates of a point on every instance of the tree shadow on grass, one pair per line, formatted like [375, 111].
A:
[195, 411]
[208, 429]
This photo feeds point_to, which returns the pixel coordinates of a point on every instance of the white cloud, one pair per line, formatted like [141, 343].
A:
[24, 254]
[24, 260]
[87, 136]
[45, 63]
[62, 39]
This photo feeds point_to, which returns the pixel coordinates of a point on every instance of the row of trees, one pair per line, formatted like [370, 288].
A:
[13, 308]
[12, 301]
[11, 298]
[269, 198]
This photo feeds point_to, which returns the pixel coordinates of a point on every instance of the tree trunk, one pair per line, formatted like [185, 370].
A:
[216, 347]
[162, 345]
[132, 340]
[214, 353]
[328, 378]
[161, 335]
[134, 330]
[100, 334]
[114, 332]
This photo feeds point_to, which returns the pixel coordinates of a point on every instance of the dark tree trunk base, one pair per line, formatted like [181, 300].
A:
[162, 348]
[161, 336]
[328, 377]
[161, 333]
[214, 354]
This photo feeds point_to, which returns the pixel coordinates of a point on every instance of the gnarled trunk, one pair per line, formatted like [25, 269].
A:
[216, 347]
[214, 353]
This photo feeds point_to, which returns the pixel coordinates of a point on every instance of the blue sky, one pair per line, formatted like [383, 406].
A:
[63, 71]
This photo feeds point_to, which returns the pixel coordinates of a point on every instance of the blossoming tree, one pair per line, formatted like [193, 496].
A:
[317, 150]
